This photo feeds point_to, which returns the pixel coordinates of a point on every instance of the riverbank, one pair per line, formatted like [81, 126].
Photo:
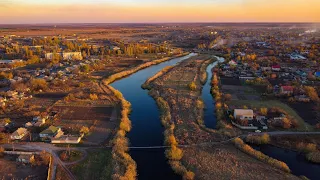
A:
[125, 73]
[223, 161]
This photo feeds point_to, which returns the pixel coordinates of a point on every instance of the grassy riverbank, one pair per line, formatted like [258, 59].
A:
[123, 74]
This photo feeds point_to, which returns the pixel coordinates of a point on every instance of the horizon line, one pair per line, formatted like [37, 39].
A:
[195, 22]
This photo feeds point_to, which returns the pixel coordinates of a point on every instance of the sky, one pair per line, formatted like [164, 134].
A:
[157, 11]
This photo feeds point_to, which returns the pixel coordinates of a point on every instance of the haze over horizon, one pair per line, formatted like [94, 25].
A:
[144, 11]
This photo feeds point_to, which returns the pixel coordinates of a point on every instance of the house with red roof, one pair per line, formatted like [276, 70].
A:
[276, 68]
[286, 90]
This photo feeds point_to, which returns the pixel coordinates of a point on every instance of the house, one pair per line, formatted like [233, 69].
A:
[4, 62]
[276, 68]
[28, 124]
[243, 114]
[286, 89]
[296, 57]
[12, 94]
[72, 55]
[266, 68]
[115, 48]
[40, 122]
[66, 140]
[19, 134]
[65, 55]
[25, 158]
[50, 132]
[233, 63]
[302, 98]
[301, 73]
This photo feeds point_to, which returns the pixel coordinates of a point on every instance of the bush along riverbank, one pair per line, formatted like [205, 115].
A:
[220, 104]
[174, 153]
[203, 68]
[124, 167]
[310, 151]
[122, 74]
[146, 85]
[260, 156]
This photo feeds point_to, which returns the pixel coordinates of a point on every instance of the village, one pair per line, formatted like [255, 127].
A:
[58, 114]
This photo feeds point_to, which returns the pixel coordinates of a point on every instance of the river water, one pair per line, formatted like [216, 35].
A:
[210, 120]
[296, 161]
[146, 125]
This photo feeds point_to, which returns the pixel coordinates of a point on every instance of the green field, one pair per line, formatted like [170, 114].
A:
[96, 166]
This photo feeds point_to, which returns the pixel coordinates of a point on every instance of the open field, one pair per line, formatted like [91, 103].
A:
[99, 120]
[240, 92]
[305, 111]
[303, 126]
[97, 165]
[227, 162]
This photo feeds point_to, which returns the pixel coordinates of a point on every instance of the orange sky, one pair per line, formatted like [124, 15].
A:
[104, 11]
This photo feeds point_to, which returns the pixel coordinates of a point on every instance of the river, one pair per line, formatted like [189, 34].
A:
[146, 125]
[210, 120]
[296, 161]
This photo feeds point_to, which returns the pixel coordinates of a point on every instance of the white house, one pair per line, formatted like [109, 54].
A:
[243, 114]
[66, 55]
[19, 134]
[66, 140]
[295, 56]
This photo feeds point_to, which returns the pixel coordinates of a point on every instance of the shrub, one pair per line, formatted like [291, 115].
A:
[93, 97]
[85, 68]
[174, 153]
[227, 97]
[312, 93]
[286, 123]
[125, 166]
[38, 84]
[259, 155]
[306, 147]
[214, 81]
[258, 139]
[188, 175]
[84, 130]
[1, 151]
[313, 157]
[264, 111]
[171, 140]
[146, 85]
[200, 104]
[192, 86]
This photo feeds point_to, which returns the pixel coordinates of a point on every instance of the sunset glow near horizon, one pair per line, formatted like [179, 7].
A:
[135, 11]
